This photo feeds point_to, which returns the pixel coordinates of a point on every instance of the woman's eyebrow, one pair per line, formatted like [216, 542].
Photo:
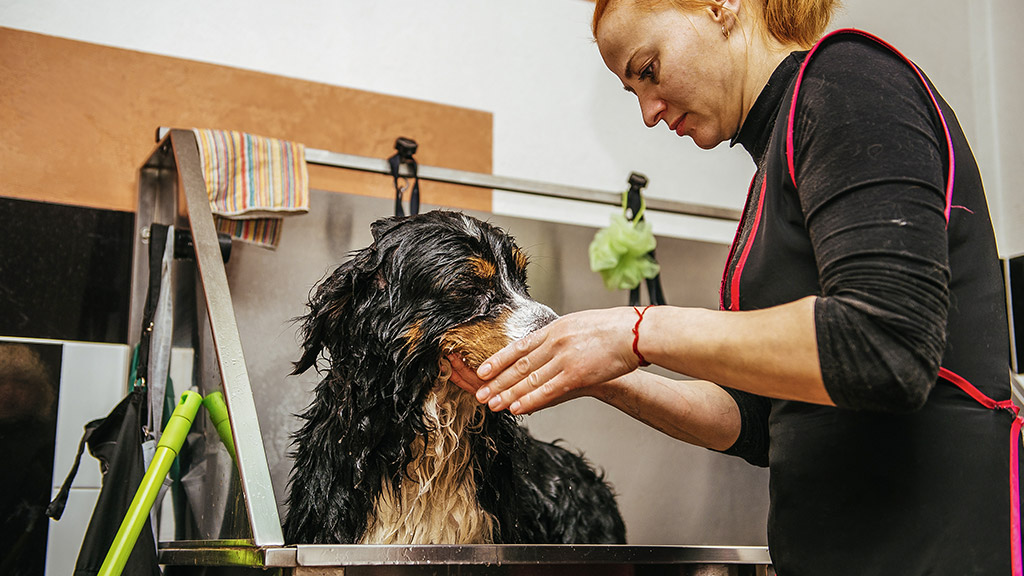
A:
[629, 65]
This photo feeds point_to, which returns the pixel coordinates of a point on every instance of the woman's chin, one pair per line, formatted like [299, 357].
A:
[706, 141]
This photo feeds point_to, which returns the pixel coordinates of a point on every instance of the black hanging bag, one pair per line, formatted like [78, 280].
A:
[117, 442]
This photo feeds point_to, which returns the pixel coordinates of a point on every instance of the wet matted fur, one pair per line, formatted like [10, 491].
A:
[389, 451]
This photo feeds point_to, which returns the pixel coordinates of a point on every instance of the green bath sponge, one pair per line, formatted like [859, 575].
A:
[621, 252]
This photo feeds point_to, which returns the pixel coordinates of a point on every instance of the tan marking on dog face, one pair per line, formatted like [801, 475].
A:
[483, 268]
[413, 335]
[476, 341]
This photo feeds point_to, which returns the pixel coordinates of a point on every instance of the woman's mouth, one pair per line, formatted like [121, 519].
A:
[679, 126]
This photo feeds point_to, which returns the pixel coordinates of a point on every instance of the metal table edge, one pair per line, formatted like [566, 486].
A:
[225, 553]
[378, 555]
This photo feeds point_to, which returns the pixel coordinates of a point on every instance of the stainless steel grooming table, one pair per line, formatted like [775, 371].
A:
[474, 559]
[249, 538]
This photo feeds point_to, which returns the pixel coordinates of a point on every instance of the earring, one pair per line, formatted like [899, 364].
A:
[725, 31]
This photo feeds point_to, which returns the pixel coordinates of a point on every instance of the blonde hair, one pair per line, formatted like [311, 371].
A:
[799, 22]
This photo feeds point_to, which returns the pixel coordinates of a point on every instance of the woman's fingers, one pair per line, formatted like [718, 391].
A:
[551, 392]
[508, 366]
[556, 362]
[462, 376]
[531, 381]
[509, 355]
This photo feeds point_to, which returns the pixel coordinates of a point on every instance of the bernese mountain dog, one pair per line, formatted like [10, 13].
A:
[389, 451]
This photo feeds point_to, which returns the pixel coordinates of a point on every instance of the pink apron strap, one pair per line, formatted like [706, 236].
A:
[734, 285]
[732, 252]
[1015, 428]
[945, 127]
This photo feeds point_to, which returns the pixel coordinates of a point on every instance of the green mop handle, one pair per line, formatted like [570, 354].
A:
[218, 411]
[166, 450]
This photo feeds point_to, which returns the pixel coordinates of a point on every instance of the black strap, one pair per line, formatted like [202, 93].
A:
[157, 245]
[405, 147]
[56, 508]
[633, 203]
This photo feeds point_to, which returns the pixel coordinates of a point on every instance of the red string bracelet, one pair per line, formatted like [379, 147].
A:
[636, 334]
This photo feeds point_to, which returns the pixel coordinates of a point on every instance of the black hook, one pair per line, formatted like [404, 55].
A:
[637, 182]
[405, 148]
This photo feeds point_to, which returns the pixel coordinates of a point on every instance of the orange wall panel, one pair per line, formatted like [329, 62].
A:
[78, 119]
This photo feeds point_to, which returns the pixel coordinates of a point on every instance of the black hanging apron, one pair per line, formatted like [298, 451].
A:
[747, 232]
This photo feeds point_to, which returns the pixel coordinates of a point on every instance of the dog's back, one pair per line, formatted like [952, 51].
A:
[389, 450]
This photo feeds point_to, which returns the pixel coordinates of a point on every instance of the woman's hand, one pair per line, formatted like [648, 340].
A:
[558, 362]
[463, 376]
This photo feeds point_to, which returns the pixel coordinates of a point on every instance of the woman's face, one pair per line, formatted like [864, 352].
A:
[678, 65]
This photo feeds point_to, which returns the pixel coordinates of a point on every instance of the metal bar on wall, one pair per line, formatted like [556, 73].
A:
[505, 183]
[508, 184]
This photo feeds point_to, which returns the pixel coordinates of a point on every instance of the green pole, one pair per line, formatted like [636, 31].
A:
[218, 412]
[166, 450]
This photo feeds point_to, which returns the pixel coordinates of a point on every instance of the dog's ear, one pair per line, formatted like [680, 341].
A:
[330, 306]
[384, 225]
[326, 304]
[353, 287]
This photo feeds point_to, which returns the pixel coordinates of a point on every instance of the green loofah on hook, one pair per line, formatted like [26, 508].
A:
[620, 252]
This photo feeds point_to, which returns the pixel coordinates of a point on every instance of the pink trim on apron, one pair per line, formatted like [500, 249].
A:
[945, 127]
[1015, 428]
[734, 285]
[732, 248]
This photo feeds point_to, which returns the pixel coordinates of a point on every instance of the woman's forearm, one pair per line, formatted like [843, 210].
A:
[694, 411]
[771, 352]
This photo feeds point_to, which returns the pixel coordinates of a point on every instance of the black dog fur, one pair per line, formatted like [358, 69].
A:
[383, 322]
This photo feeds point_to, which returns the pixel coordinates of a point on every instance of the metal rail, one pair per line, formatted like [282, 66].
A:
[239, 553]
[509, 184]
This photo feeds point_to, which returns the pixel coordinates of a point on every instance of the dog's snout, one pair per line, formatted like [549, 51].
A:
[527, 315]
[544, 317]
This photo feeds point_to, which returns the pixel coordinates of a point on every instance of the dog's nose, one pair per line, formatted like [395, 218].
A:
[527, 316]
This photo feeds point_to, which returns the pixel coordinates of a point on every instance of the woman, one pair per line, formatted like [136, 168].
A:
[860, 302]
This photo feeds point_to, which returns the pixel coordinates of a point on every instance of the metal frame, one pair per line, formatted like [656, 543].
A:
[173, 175]
[172, 191]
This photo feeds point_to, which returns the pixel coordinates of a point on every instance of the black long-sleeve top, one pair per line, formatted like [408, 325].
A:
[907, 475]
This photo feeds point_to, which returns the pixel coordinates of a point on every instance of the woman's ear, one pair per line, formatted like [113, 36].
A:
[723, 13]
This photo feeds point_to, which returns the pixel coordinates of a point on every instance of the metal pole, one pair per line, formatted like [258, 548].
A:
[508, 184]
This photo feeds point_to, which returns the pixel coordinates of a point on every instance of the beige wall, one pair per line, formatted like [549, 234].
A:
[79, 119]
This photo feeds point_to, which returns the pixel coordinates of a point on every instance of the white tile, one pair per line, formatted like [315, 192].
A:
[64, 538]
[93, 380]
[181, 370]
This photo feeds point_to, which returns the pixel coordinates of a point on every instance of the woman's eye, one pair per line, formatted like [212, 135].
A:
[647, 73]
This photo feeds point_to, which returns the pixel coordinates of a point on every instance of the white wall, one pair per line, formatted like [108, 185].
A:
[972, 52]
[559, 116]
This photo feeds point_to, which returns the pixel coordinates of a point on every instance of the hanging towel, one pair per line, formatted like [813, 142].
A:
[252, 181]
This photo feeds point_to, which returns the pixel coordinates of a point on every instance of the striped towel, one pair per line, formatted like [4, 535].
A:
[253, 181]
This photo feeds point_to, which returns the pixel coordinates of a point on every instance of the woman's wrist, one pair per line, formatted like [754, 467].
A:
[640, 312]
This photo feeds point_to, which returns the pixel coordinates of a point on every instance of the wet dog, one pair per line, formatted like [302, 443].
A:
[389, 451]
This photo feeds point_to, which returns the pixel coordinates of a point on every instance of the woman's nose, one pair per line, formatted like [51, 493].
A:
[652, 109]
